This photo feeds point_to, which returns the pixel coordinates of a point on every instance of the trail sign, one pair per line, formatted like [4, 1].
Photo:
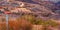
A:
[6, 13]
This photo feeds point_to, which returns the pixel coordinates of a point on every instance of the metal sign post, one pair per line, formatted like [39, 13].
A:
[6, 21]
[6, 15]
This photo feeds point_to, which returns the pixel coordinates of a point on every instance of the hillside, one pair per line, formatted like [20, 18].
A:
[43, 9]
[29, 15]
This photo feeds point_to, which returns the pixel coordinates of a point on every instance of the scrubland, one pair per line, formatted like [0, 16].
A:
[29, 22]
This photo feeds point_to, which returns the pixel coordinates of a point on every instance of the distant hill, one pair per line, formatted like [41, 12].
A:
[41, 9]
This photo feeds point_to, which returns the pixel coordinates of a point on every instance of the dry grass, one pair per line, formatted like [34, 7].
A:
[25, 23]
[18, 24]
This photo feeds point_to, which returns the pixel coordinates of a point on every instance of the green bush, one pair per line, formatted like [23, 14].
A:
[36, 21]
[32, 19]
[52, 23]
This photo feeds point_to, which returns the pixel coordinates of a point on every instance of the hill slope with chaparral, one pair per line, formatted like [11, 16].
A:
[30, 15]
